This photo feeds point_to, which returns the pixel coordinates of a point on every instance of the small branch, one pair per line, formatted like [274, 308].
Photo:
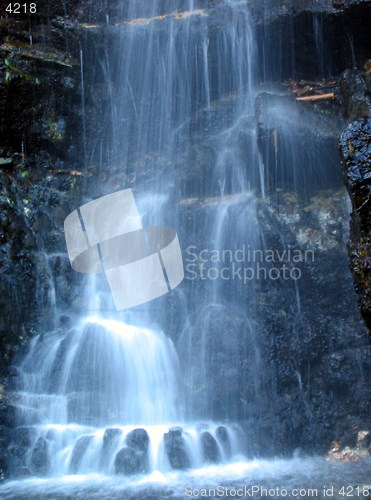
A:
[317, 98]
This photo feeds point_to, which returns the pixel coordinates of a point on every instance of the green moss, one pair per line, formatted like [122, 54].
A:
[19, 72]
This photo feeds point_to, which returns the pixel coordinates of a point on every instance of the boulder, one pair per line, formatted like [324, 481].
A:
[138, 439]
[176, 449]
[133, 459]
[129, 461]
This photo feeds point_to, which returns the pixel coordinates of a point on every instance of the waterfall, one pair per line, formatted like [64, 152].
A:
[104, 372]
[88, 394]
[177, 389]
[179, 127]
[108, 396]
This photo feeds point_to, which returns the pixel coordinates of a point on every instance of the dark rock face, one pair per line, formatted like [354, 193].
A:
[40, 146]
[308, 22]
[292, 376]
[210, 448]
[267, 11]
[355, 146]
[47, 70]
[355, 94]
[31, 225]
[176, 449]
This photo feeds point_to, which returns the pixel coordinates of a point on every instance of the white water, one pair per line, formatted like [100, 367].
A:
[103, 376]
[306, 477]
[103, 372]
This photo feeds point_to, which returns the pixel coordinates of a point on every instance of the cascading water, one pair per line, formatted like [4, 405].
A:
[84, 394]
[101, 373]
[113, 393]
[194, 83]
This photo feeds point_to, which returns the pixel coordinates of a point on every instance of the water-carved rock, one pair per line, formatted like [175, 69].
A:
[176, 450]
[129, 461]
[133, 459]
[138, 439]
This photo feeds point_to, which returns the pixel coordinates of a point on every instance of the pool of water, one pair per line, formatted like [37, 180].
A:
[278, 478]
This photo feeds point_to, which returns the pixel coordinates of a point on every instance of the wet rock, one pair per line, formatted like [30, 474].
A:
[274, 9]
[28, 229]
[354, 94]
[210, 448]
[304, 408]
[129, 461]
[176, 449]
[138, 439]
[36, 52]
[65, 321]
[133, 459]
[300, 25]
[40, 457]
[79, 450]
[355, 147]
